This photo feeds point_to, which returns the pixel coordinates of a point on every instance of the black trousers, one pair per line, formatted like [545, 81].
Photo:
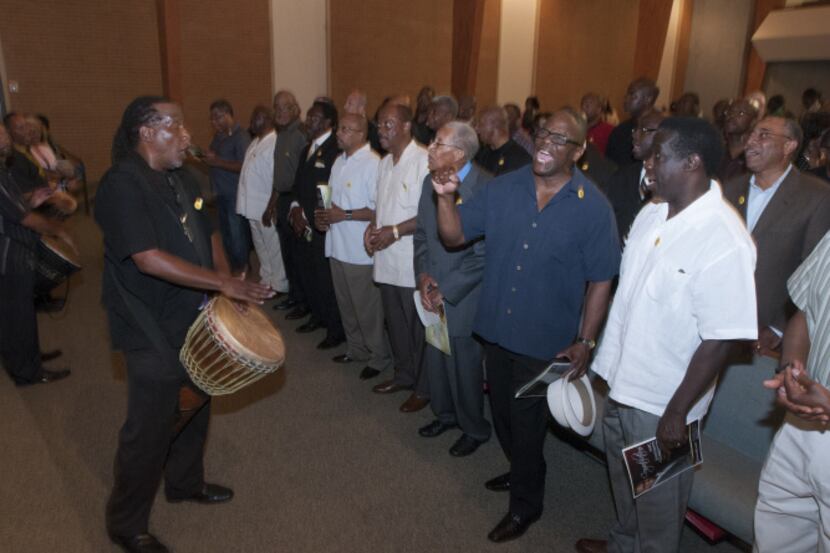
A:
[19, 345]
[147, 448]
[521, 426]
[317, 285]
[288, 248]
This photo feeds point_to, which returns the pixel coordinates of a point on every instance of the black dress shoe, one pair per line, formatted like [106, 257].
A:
[209, 494]
[368, 372]
[140, 543]
[435, 428]
[50, 355]
[310, 326]
[296, 313]
[45, 377]
[465, 445]
[500, 483]
[343, 359]
[511, 527]
[389, 387]
[330, 342]
[285, 304]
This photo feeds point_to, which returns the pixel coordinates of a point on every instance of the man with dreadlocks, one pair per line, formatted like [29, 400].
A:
[160, 256]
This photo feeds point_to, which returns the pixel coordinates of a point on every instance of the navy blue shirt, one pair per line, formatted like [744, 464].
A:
[230, 148]
[538, 263]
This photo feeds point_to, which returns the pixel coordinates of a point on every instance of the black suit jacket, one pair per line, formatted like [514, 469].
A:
[620, 144]
[794, 221]
[623, 191]
[311, 172]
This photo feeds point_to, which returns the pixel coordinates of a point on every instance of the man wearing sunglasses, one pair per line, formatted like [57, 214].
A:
[550, 236]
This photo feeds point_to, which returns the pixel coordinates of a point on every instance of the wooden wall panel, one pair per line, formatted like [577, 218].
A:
[388, 48]
[585, 46]
[652, 25]
[487, 80]
[80, 63]
[225, 53]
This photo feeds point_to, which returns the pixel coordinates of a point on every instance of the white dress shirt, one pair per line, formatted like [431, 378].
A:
[256, 177]
[354, 184]
[682, 280]
[399, 190]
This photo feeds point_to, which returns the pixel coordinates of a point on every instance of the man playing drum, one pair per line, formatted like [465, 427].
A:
[160, 255]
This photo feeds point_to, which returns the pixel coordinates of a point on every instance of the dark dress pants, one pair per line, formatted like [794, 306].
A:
[315, 278]
[289, 245]
[521, 426]
[19, 346]
[406, 336]
[147, 447]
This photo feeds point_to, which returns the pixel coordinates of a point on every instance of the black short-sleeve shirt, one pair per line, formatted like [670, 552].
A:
[138, 210]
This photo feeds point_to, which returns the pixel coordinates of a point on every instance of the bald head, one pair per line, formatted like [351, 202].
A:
[352, 133]
[493, 126]
[640, 96]
[356, 103]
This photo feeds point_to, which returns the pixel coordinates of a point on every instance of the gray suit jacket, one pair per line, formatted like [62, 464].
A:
[794, 221]
[458, 271]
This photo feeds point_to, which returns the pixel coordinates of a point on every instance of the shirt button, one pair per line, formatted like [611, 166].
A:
[525, 246]
[518, 267]
[533, 224]
[513, 289]
[509, 311]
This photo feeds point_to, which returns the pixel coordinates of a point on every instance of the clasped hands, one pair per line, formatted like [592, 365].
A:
[800, 394]
[377, 239]
[324, 218]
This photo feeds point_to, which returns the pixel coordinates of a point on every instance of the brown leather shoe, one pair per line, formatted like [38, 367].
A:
[388, 387]
[414, 403]
[592, 546]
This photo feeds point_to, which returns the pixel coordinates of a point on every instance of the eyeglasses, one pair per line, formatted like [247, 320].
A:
[350, 130]
[389, 124]
[643, 130]
[765, 135]
[435, 144]
[544, 135]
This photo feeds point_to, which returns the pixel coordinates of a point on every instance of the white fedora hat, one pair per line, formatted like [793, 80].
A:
[572, 404]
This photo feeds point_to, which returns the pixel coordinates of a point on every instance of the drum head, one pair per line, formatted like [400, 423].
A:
[252, 333]
[61, 249]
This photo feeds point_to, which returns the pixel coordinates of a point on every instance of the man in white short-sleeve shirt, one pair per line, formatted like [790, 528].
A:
[353, 184]
[253, 194]
[686, 292]
[389, 239]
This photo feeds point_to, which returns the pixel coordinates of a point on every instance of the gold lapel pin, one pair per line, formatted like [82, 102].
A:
[741, 200]
[657, 242]
[501, 161]
[198, 203]
[580, 192]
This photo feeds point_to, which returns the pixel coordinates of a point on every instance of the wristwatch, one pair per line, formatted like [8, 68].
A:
[348, 214]
[588, 342]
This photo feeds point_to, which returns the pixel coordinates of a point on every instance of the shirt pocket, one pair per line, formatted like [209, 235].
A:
[668, 284]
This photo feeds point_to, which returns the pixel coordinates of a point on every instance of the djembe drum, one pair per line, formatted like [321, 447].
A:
[227, 349]
[56, 261]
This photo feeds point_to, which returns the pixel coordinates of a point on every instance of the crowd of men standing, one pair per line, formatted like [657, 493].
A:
[518, 230]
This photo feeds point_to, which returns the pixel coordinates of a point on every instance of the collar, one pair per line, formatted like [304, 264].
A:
[578, 180]
[771, 190]
[698, 208]
[320, 140]
[357, 152]
[464, 171]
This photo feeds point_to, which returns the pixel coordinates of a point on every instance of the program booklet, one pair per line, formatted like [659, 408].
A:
[648, 468]
[538, 385]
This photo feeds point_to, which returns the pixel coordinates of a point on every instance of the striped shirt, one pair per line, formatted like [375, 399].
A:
[809, 288]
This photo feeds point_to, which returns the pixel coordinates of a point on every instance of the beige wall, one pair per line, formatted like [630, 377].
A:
[717, 50]
[298, 48]
[585, 46]
[389, 48]
[665, 76]
[517, 44]
[80, 65]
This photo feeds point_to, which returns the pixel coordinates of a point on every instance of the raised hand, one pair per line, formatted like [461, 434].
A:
[445, 181]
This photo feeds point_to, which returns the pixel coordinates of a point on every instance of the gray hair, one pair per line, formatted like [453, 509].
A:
[447, 102]
[464, 137]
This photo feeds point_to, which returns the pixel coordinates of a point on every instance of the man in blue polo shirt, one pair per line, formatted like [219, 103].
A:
[552, 250]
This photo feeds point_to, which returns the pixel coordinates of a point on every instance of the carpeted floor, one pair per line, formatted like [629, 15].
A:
[318, 462]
